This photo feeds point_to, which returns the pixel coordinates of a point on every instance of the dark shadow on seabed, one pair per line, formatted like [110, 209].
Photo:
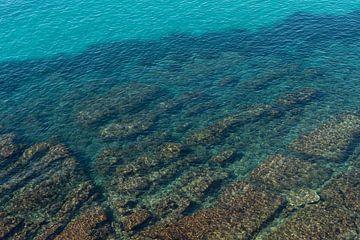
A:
[236, 135]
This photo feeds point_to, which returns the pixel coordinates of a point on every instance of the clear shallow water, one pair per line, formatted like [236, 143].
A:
[141, 76]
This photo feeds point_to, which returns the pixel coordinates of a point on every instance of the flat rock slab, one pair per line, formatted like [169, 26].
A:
[91, 225]
[285, 173]
[332, 140]
[319, 221]
[239, 213]
[344, 190]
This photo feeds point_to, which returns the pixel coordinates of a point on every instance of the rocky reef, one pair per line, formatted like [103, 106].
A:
[165, 167]
[287, 173]
[43, 190]
[320, 221]
[240, 210]
[331, 140]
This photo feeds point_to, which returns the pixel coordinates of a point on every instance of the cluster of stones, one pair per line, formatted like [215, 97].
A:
[45, 194]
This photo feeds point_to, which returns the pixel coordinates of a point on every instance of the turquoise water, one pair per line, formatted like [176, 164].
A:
[32, 29]
[164, 105]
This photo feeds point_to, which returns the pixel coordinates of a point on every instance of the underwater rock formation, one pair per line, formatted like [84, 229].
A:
[128, 98]
[344, 190]
[136, 218]
[330, 141]
[8, 147]
[90, 225]
[215, 131]
[301, 197]
[129, 127]
[320, 221]
[297, 98]
[225, 156]
[43, 188]
[8, 224]
[287, 173]
[240, 211]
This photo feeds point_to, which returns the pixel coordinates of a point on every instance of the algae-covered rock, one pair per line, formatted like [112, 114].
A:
[319, 221]
[225, 156]
[136, 219]
[344, 190]
[286, 173]
[42, 189]
[8, 224]
[170, 150]
[129, 127]
[217, 130]
[240, 212]
[8, 147]
[175, 204]
[196, 184]
[302, 197]
[297, 98]
[90, 225]
[330, 141]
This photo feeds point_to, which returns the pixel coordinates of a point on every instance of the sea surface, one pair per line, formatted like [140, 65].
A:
[176, 119]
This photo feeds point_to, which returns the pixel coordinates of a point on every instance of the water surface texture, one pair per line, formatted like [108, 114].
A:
[179, 120]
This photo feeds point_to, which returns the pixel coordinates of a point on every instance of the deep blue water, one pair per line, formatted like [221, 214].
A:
[166, 70]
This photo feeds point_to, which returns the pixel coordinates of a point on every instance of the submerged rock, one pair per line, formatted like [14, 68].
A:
[91, 225]
[136, 218]
[297, 98]
[225, 156]
[302, 197]
[128, 127]
[330, 141]
[320, 221]
[217, 130]
[286, 173]
[41, 191]
[122, 99]
[8, 224]
[240, 212]
[173, 204]
[170, 150]
[8, 147]
[344, 190]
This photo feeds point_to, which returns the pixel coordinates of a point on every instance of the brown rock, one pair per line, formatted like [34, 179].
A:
[285, 173]
[331, 140]
[172, 204]
[8, 224]
[136, 219]
[319, 221]
[90, 225]
[7, 146]
[216, 130]
[344, 190]
[240, 212]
